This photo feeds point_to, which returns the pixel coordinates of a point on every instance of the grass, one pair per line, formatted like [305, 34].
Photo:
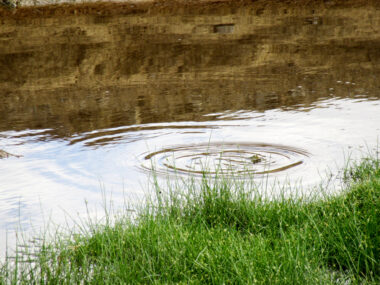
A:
[218, 231]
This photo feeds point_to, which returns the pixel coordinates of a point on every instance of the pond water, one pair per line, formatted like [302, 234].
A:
[90, 102]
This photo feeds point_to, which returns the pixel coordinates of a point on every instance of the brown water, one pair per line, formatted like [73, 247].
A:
[92, 97]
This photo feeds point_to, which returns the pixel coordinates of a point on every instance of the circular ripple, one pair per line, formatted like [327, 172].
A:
[224, 158]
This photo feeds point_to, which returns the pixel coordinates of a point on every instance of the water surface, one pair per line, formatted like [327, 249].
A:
[89, 103]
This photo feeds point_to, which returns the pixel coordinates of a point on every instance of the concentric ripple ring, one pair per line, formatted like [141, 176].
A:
[224, 158]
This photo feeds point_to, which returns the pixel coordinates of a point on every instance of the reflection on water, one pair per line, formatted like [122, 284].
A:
[91, 96]
[238, 159]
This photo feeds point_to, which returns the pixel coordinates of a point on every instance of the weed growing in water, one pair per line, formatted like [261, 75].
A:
[221, 230]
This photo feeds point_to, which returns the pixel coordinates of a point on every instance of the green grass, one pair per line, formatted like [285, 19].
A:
[221, 231]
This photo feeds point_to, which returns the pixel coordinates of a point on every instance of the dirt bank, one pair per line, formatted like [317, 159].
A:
[41, 9]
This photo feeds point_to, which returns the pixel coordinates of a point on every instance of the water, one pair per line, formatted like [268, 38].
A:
[89, 103]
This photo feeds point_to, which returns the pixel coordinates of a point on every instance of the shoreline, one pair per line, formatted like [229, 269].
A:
[225, 233]
[110, 8]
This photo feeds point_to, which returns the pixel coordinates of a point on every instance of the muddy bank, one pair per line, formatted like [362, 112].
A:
[37, 8]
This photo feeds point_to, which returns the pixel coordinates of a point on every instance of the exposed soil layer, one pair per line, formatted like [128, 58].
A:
[171, 6]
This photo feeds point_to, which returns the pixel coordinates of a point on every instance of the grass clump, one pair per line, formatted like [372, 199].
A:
[221, 232]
